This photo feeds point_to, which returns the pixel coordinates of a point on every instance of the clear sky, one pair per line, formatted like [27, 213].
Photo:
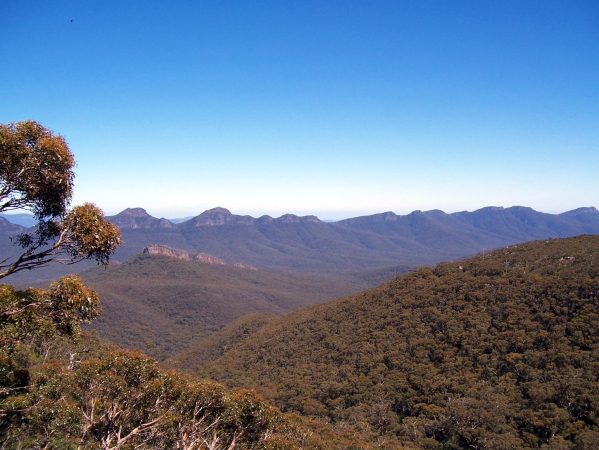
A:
[333, 108]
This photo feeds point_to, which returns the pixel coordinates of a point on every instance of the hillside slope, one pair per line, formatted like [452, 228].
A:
[496, 351]
[162, 304]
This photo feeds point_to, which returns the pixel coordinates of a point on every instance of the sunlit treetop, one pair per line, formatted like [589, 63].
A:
[36, 174]
[36, 170]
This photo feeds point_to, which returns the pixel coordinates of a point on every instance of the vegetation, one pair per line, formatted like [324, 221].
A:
[60, 389]
[36, 175]
[419, 238]
[215, 345]
[163, 305]
[497, 351]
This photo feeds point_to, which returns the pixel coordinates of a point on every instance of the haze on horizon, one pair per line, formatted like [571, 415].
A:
[331, 108]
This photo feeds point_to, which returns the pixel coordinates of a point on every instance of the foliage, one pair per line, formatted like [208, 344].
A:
[163, 305]
[36, 174]
[61, 389]
[26, 315]
[216, 344]
[123, 400]
[497, 351]
[36, 169]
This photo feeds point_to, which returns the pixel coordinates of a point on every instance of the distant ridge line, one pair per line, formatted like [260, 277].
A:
[139, 218]
[390, 215]
[372, 242]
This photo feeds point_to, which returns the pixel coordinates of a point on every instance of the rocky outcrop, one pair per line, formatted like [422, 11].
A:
[244, 266]
[581, 211]
[138, 218]
[292, 218]
[209, 259]
[158, 249]
[388, 216]
[204, 258]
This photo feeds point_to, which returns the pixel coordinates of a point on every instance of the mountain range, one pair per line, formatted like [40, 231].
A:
[308, 244]
[360, 243]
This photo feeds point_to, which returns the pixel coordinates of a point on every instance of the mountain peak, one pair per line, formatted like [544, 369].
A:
[222, 216]
[583, 210]
[133, 212]
[138, 218]
[9, 227]
[218, 210]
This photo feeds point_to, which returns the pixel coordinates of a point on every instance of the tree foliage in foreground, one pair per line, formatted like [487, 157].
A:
[60, 389]
[36, 175]
[122, 400]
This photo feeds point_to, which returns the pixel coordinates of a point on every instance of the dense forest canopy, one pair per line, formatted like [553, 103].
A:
[496, 351]
[162, 304]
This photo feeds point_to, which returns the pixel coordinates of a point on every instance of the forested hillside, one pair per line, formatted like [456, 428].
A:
[162, 304]
[64, 389]
[61, 389]
[497, 351]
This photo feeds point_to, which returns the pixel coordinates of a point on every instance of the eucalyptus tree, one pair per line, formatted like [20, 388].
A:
[36, 175]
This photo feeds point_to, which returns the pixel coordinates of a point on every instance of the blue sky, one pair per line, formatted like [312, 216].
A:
[333, 108]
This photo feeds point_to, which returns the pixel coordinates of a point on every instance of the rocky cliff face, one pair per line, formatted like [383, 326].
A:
[138, 218]
[244, 266]
[292, 218]
[158, 249]
[209, 259]
[204, 258]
